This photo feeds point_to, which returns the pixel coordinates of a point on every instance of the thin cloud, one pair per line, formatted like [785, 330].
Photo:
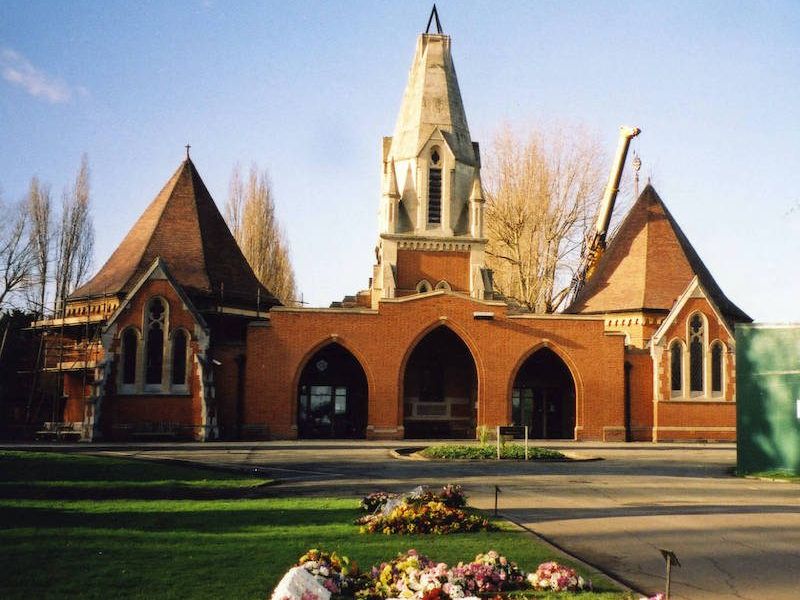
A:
[18, 70]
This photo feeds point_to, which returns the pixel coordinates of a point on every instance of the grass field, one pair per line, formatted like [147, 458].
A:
[58, 540]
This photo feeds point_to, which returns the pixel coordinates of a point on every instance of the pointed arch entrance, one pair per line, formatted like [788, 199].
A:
[332, 395]
[440, 388]
[543, 396]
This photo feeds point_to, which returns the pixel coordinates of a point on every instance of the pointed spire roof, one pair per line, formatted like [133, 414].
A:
[432, 100]
[185, 229]
[648, 265]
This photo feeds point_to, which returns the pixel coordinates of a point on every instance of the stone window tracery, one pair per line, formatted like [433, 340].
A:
[696, 354]
[155, 326]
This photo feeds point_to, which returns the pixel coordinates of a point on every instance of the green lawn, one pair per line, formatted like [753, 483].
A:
[143, 547]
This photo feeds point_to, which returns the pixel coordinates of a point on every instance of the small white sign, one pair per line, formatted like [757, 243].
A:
[798, 409]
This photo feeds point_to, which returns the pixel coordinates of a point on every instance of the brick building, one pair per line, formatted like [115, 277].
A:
[189, 342]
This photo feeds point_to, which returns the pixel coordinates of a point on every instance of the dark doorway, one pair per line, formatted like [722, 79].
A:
[332, 396]
[439, 388]
[543, 397]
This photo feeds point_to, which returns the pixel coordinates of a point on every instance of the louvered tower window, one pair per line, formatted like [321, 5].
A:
[435, 188]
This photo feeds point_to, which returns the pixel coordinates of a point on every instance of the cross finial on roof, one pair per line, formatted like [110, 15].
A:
[434, 15]
[187, 150]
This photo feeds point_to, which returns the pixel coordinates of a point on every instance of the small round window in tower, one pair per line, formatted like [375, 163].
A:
[435, 157]
[423, 287]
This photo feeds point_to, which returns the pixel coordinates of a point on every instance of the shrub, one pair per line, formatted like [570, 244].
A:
[507, 451]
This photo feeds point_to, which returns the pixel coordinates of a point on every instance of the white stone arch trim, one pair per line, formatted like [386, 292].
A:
[179, 387]
[684, 358]
[443, 285]
[129, 388]
[723, 375]
[705, 386]
[165, 347]
[424, 286]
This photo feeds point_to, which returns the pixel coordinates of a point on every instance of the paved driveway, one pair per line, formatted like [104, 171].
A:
[735, 538]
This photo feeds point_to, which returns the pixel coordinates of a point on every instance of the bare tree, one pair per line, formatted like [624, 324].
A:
[250, 213]
[16, 251]
[75, 237]
[41, 235]
[542, 195]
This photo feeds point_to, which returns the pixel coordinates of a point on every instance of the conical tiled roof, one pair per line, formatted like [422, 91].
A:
[647, 265]
[184, 228]
[432, 100]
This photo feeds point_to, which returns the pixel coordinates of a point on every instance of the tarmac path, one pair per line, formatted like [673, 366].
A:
[735, 538]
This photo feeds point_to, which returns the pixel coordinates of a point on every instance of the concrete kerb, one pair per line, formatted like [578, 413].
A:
[588, 567]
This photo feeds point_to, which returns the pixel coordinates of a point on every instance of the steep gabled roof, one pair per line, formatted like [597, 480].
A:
[184, 228]
[648, 265]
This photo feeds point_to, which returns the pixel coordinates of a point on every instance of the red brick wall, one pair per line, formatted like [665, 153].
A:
[708, 419]
[416, 265]
[149, 408]
[383, 341]
[641, 390]
[226, 386]
[77, 394]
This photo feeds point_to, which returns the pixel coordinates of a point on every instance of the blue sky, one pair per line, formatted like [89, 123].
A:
[307, 90]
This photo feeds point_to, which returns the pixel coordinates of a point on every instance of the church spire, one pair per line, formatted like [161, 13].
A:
[432, 100]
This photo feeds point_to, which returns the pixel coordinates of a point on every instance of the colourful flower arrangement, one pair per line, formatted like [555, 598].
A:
[337, 574]
[428, 518]
[374, 501]
[558, 578]
[450, 495]
[488, 573]
[420, 511]
[413, 576]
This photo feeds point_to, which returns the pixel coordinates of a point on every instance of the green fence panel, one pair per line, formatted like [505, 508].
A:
[768, 398]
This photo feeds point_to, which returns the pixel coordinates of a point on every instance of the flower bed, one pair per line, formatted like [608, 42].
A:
[413, 576]
[551, 576]
[421, 511]
[488, 452]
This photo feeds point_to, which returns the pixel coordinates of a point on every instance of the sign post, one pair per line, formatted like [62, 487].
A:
[513, 430]
[671, 559]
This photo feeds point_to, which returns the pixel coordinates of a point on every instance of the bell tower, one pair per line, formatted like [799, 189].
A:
[431, 224]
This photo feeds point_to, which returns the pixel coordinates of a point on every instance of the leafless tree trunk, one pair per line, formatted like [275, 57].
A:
[75, 237]
[250, 213]
[16, 251]
[542, 195]
[41, 235]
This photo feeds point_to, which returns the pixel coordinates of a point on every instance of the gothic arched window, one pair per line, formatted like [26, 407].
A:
[443, 285]
[179, 344]
[130, 346]
[676, 368]
[696, 353]
[155, 326]
[716, 367]
[424, 286]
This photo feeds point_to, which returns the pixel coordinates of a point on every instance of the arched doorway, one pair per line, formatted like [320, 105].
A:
[543, 397]
[332, 396]
[439, 388]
